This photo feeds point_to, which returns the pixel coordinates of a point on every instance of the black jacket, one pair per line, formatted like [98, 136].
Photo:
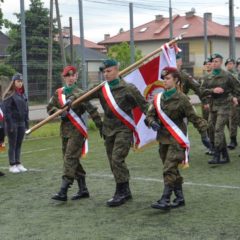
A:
[15, 109]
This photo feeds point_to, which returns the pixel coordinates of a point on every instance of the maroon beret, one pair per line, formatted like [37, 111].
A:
[168, 70]
[69, 70]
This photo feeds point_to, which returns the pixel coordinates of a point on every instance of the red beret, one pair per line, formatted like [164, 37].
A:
[69, 70]
[168, 70]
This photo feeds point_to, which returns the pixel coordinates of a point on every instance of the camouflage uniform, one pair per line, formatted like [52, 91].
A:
[220, 103]
[234, 114]
[118, 137]
[72, 139]
[177, 107]
[188, 82]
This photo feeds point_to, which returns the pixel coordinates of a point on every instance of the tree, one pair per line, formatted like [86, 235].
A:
[6, 70]
[37, 33]
[122, 53]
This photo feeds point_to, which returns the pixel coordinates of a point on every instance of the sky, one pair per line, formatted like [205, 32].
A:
[109, 16]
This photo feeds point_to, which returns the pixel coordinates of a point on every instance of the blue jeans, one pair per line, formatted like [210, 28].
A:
[15, 139]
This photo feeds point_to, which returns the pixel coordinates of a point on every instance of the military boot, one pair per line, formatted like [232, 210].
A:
[62, 194]
[83, 191]
[233, 143]
[216, 157]
[164, 202]
[122, 194]
[225, 156]
[179, 200]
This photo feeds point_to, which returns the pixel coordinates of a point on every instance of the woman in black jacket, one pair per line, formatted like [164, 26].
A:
[15, 108]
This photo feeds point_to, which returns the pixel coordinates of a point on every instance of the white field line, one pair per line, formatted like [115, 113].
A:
[145, 179]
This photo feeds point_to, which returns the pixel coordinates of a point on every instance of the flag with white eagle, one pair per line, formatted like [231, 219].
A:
[147, 79]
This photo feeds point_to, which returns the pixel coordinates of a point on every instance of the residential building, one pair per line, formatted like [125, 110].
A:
[152, 35]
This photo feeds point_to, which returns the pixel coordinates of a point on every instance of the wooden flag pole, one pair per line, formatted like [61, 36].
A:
[84, 96]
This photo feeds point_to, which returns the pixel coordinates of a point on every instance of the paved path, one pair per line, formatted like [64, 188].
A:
[39, 112]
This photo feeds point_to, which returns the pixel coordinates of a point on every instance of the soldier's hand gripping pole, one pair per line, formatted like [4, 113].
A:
[60, 111]
[121, 73]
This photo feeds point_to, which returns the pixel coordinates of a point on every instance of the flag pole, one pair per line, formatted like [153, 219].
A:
[90, 92]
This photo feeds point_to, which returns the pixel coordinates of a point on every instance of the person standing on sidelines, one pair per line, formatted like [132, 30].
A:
[167, 116]
[223, 90]
[74, 134]
[15, 109]
[2, 134]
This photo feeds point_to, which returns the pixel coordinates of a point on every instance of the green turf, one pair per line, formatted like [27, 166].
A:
[27, 212]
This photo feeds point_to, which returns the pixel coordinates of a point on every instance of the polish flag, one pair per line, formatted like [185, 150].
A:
[147, 79]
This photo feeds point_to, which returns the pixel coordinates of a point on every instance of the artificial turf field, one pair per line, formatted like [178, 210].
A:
[27, 212]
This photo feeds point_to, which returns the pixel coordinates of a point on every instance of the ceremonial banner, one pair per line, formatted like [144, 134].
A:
[147, 79]
[76, 121]
[174, 130]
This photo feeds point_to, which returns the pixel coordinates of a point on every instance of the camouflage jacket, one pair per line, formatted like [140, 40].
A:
[127, 98]
[220, 102]
[177, 107]
[188, 82]
[67, 129]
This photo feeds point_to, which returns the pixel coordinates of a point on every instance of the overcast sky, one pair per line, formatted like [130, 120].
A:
[108, 16]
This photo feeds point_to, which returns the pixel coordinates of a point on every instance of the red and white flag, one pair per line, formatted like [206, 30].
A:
[147, 79]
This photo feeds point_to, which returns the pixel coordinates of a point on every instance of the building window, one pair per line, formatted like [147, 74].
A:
[185, 52]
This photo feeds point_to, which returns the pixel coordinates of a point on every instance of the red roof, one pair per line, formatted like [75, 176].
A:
[87, 43]
[192, 27]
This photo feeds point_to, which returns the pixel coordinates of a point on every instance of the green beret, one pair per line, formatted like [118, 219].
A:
[238, 61]
[108, 63]
[228, 60]
[216, 55]
[207, 61]
[179, 55]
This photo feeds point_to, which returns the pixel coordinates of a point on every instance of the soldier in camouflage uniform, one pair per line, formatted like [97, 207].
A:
[207, 69]
[118, 137]
[176, 106]
[233, 118]
[222, 89]
[188, 82]
[72, 139]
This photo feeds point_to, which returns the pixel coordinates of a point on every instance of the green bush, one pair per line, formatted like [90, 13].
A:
[6, 70]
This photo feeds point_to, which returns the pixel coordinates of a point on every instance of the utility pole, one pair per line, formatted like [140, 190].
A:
[82, 47]
[60, 34]
[170, 20]
[232, 40]
[132, 48]
[24, 48]
[205, 36]
[71, 39]
[50, 45]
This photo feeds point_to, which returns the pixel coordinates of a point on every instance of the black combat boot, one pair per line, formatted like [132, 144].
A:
[233, 143]
[179, 200]
[225, 156]
[62, 194]
[122, 194]
[216, 157]
[164, 202]
[83, 191]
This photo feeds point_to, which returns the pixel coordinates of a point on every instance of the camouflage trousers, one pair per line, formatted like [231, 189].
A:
[172, 155]
[117, 148]
[233, 121]
[72, 150]
[218, 120]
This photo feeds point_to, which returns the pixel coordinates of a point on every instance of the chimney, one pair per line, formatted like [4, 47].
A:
[208, 16]
[106, 36]
[158, 18]
[190, 13]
